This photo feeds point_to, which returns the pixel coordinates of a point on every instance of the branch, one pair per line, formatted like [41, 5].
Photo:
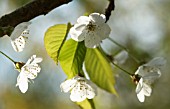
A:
[28, 12]
[109, 9]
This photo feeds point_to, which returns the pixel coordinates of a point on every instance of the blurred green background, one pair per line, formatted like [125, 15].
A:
[143, 26]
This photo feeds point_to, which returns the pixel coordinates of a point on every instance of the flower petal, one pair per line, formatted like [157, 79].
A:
[22, 82]
[83, 20]
[91, 39]
[151, 77]
[157, 62]
[19, 29]
[30, 59]
[139, 86]
[96, 17]
[103, 30]
[90, 92]
[79, 27]
[68, 85]
[147, 90]
[78, 93]
[31, 70]
[34, 60]
[18, 44]
[76, 35]
[141, 96]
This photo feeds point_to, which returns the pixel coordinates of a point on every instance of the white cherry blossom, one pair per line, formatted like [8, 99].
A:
[18, 36]
[80, 88]
[146, 75]
[92, 29]
[28, 72]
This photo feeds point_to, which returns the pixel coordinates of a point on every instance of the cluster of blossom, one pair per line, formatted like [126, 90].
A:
[30, 69]
[93, 29]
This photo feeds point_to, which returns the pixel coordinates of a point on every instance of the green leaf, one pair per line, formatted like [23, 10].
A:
[71, 57]
[54, 39]
[99, 70]
[86, 104]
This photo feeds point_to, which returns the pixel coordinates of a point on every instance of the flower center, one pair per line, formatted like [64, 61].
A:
[135, 78]
[91, 26]
[19, 65]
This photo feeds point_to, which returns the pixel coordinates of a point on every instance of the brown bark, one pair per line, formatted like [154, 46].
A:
[28, 12]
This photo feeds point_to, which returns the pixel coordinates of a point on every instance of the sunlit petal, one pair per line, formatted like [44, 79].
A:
[141, 96]
[83, 20]
[90, 92]
[18, 44]
[78, 93]
[68, 85]
[100, 18]
[22, 82]
[92, 29]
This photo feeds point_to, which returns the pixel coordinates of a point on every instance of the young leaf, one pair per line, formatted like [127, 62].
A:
[99, 70]
[54, 39]
[86, 104]
[71, 57]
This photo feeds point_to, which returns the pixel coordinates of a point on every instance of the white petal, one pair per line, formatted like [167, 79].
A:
[151, 77]
[157, 62]
[30, 60]
[141, 96]
[22, 82]
[83, 20]
[92, 39]
[79, 27]
[139, 86]
[68, 85]
[150, 67]
[147, 90]
[140, 71]
[90, 92]
[31, 70]
[78, 93]
[148, 73]
[31, 75]
[96, 17]
[103, 30]
[18, 44]
[76, 32]
[19, 29]
[25, 33]
[34, 60]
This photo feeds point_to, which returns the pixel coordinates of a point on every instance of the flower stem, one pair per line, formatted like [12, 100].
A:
[121, 68]
[7, 57]
[109, 59]
[134, 58]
